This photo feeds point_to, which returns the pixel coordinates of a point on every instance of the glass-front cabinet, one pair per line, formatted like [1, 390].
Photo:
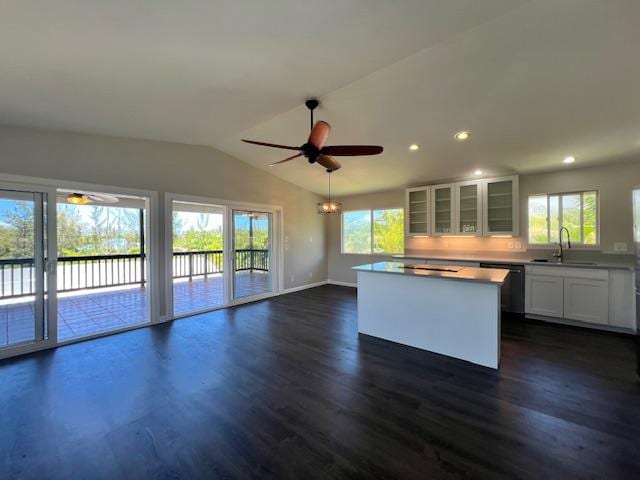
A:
[469, 208]
[417, 208]
[501, 206]
[443, 209]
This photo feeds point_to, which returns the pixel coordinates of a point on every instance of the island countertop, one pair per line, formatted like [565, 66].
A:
[447, 272]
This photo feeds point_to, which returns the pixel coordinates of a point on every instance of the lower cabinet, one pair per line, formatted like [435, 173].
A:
[543, 295]
[571, 293]
[586, 300]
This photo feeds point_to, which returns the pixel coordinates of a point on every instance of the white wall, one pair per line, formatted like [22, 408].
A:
[172, 167]
[614, 182]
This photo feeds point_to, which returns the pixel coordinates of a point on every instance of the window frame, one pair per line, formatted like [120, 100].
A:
[371, 228]
[578, 243]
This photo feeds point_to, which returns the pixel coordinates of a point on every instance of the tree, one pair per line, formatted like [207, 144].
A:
[21, 221]
[70, 230]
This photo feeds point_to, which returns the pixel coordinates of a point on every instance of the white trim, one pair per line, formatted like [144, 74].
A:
[303, 287]
[342, 284]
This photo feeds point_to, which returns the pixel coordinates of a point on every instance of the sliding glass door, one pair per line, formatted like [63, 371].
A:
[23, 276]
[252, 256]
[197, 257]
[102, 278]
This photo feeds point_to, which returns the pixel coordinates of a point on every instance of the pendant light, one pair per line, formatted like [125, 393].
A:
[329, 207]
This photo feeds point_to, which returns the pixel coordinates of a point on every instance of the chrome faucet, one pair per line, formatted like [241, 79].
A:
[559, 254]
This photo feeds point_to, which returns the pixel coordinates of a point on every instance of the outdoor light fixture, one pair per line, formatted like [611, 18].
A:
[329, 207]
[78, 199]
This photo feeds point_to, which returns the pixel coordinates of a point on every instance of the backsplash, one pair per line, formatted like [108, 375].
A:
[469, 244]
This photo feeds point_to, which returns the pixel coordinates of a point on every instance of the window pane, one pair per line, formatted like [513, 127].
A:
[571, 215]
[590, 212]
[538, 219]
[388, 231]
[554, 218]
[356, 231]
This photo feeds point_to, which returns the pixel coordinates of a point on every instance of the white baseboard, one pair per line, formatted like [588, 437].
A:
[343, 284]
[302, 287]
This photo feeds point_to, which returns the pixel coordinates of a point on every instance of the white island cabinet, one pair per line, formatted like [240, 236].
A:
[452, 310]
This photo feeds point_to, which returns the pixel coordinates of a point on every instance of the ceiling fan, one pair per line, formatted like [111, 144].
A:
[315, 149]
[85, 198]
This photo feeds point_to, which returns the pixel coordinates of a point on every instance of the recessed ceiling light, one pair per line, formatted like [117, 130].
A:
[569, 159]
[463, 135]
[414, 146]
[477, 172]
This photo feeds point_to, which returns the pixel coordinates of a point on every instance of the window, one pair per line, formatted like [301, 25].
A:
[373, 231]
[577, 211]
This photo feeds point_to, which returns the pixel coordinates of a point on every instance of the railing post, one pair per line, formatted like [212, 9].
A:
[190, 266]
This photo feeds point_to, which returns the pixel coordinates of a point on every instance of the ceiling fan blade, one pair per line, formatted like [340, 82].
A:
[328, 162]
[286, 159]
[102, 197]
[264, 144]
[319, 134]
[351, 150]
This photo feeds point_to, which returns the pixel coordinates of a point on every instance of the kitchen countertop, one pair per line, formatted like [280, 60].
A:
[467, 274]
[516, 261]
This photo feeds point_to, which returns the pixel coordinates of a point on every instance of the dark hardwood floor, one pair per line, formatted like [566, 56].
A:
[285, 388]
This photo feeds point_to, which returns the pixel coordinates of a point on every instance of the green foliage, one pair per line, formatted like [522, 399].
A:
[197, 237]
[579, 216]
[388, 231]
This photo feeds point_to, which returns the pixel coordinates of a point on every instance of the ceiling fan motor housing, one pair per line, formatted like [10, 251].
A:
[310, 151]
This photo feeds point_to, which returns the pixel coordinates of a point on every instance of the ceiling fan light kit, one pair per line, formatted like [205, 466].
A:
[315, 150]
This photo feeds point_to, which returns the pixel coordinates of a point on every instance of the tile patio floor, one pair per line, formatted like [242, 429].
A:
[90, 312]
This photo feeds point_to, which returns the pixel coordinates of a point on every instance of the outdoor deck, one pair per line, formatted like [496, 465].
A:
[89, 312]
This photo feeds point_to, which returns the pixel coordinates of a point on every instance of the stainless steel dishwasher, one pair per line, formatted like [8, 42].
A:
[513, 288]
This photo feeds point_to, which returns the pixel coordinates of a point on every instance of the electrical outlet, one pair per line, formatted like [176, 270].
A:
[620, 247]
[510, 244]
[446, 244]
[310, 274]
[293, 278]
[519, 245]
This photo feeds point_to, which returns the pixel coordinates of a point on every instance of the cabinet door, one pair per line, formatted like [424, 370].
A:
[468, 208]
[501, 205]
[442, 210]
[543, 295]
[586, 300]
[417, 211]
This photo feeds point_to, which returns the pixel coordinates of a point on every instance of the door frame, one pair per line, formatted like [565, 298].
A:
[277, 228]
[50, 253]
[153, 251]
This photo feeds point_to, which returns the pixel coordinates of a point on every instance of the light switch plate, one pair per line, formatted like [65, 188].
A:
[620, 247]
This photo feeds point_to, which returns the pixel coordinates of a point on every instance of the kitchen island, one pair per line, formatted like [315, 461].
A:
[450, 310]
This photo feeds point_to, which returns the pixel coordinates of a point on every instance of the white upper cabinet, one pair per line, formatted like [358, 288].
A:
[443, 204]
[468, 218]
[472, 208]
[501, 206]
[417, 211]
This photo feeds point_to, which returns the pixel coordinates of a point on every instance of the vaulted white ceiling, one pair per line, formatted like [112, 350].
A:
[533, 80]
